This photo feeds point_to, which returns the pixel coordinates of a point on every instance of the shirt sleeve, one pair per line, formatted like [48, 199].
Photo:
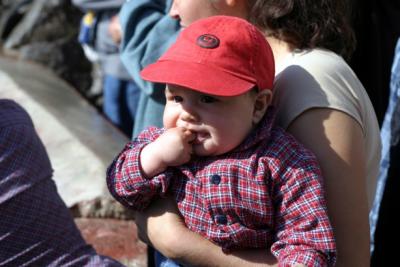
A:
[303, 231]
[124, 177]
[148, 31]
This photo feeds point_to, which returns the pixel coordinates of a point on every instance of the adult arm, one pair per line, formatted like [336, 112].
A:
[147, 33]
[161, 227]
[337, 141]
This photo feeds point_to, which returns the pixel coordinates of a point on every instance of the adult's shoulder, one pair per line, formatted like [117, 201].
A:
[317, 79]
[317, 69]
[325, 67]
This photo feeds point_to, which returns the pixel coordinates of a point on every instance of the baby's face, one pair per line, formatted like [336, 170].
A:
[220, 123]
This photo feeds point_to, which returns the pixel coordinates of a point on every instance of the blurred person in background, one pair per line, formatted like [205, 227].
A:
[100, 35]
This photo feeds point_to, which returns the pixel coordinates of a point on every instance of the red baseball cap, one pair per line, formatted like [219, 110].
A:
[218, 55]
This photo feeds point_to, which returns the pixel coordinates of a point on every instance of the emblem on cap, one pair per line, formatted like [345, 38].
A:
[208, 41]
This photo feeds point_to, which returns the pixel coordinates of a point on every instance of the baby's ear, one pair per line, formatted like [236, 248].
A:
[261, 103]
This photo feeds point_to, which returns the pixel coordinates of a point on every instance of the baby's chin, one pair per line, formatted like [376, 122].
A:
[200, 151]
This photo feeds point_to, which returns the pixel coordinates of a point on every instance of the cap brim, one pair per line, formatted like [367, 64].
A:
[198, 77]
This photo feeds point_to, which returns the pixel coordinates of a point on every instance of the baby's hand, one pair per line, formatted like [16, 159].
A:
[172, 148]
[175, 146]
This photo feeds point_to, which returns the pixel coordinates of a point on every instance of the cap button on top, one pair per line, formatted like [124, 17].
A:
[215, 179]
[208, 41]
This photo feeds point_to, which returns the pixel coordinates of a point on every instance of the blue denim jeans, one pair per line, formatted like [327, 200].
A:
[120, 100]
[390, 136]
[161, 261]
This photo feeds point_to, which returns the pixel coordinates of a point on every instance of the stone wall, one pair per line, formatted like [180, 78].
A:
[45, 31]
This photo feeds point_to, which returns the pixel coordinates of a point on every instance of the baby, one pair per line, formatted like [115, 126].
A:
[237, 179]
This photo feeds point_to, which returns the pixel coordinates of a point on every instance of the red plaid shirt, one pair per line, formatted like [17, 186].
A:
[265, 193]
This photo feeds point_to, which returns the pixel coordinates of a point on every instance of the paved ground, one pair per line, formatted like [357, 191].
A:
[80, 144]
[114, 238]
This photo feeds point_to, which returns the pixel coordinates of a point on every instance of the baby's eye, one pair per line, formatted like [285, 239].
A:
[177, 98]
[208, 99]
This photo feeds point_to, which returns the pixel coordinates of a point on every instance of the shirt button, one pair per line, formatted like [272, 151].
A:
[221, 219]
[215, 179]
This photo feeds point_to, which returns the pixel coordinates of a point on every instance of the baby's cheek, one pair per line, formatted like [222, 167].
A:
[169, 121]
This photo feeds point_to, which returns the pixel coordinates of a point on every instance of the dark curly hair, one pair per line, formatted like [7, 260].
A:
[307, 23]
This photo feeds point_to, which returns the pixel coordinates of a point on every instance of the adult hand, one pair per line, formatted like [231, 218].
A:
[159, 222]
[115, 30]
[162, 227]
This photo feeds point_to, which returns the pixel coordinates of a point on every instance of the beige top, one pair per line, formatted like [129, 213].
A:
[320, 78]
